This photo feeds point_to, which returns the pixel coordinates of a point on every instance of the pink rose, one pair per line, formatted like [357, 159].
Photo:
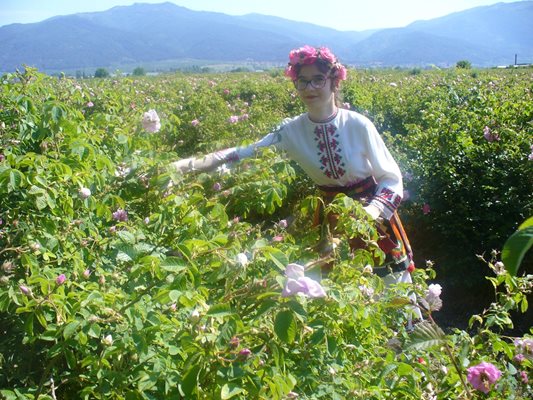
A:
[25, 290]
[61, 279]
[489, 135]
[245, 353]
[483, 375]
[326, 54]
[84, 193]
[120, 215]
[340, 72]
[426, 209]
[298, 283]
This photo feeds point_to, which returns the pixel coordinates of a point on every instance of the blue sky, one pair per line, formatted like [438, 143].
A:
[344, 15]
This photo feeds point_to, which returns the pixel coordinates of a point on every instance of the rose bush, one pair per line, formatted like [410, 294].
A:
[122, 280]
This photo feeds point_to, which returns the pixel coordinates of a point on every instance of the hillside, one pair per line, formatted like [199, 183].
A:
[150, 33]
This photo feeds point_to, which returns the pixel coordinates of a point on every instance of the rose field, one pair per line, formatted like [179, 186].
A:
[122, 279]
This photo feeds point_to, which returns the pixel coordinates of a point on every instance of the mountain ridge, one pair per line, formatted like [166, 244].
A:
[167, 33]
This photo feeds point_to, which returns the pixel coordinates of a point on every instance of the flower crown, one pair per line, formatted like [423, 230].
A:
[309, 55]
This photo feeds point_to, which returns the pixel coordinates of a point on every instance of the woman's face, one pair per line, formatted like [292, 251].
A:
[314, 87]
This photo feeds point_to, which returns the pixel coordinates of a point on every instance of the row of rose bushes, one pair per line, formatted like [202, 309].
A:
[121, 279]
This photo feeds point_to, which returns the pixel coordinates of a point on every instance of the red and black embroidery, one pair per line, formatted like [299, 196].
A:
[390, 199]
[329, 152]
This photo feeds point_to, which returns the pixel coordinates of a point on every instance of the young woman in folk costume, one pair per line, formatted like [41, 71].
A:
[339, 149]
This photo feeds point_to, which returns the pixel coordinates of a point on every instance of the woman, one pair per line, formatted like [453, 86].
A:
[339, 149]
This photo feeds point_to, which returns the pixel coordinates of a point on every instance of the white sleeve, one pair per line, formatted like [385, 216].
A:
[232, 154]
[213, 160]
[386, 172]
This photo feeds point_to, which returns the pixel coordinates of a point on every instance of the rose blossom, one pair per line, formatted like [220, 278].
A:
[434, 290]
[120, 215]
[327, 55]
[242, 259]
[61, 279]
[108, 340]
[489, 135]
[84, 193]
[298, 283]
[151, 122]
[434, 303]
[482, 376]
[25, 290]
[245, 353]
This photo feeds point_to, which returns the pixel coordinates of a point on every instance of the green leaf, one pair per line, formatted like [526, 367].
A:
[285, 326]
[517, 246]
[220, 310]
[426, 335]
[173, 264]
[277, 257]
[190, 381]
[229, 390]
[174, 295]
[10, 180]
[127, 237]
[398, 302]
[94, 331]
[40, 202]
[70, 329]
[36, 190]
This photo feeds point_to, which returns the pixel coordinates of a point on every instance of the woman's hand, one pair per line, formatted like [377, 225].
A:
[183, 166]
[373, 211]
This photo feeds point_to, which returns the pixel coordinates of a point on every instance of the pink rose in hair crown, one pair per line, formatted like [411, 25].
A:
[303, 55]
[326, 54]
[307, 55]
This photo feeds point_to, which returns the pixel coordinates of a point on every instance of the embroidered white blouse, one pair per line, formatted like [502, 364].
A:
[338, 152]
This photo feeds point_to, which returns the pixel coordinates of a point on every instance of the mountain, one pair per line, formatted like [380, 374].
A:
[485, 36]
[143, 34]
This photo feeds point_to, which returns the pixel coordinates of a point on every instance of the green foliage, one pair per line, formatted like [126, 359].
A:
[182, 299]
[101, 73]
[517, 245]
[139, 71]
[463, 64]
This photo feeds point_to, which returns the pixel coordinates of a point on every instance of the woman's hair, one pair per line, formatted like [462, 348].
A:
[322, 57]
